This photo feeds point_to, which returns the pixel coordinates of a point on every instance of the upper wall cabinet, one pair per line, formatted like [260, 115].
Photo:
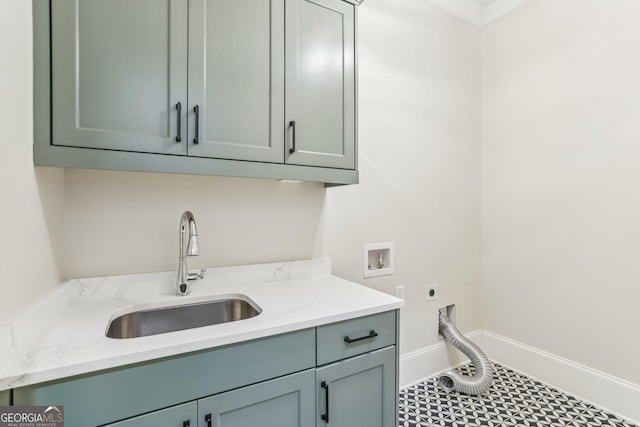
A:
[119, 68]
[236, 79]
[320, 83]
[255, 88]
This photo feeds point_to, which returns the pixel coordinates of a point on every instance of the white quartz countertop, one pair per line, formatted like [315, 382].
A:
[64, 334]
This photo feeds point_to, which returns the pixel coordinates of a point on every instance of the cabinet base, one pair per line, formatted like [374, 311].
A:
[87, 158]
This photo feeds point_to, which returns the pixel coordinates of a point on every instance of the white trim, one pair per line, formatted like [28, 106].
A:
[467, 10]
[499, 9]
[429, 361]
[474, 13]
[606, 391]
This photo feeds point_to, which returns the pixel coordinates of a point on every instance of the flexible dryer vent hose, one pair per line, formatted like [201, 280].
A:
[450, 381]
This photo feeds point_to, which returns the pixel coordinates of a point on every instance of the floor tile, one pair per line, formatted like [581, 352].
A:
[513, 400]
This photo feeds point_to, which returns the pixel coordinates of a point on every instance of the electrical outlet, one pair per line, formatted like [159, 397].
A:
[400, 291]
[432, 293]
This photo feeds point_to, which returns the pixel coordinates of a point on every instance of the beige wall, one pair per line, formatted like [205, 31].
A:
[561, 180]
[127, 222]
[32, 200]
[419, 107]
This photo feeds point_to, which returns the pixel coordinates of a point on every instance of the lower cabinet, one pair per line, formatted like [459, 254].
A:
[123, 393]
[283, 402]
[177, 416]
[337, 375]
[358, 392]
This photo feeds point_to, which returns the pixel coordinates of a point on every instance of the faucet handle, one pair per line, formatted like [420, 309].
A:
[196, 276]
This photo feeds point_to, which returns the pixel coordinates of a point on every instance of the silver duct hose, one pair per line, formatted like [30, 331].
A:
[481, 381]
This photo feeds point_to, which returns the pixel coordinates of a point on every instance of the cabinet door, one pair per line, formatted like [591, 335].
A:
[320, 83]
[177, 416]
[358, 392]
[236, 78]
[119, 68]
[285, 402]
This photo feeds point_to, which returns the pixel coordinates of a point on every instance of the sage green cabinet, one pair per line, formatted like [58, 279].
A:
[118, 69]
[320, 83]
[112, 395]
[285, 380]
[283, 402]
[236, 78]
[358, 392]
[184, 415]
[332, 343]
[356, 378]
[208, 87]
[121, 69]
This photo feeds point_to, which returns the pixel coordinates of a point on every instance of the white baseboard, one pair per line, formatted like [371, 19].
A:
[430, 361]
[613, 394]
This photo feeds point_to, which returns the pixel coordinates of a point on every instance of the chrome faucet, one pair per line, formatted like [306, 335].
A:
[184, 276]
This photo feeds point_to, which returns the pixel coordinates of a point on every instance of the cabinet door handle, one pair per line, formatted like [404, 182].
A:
[372, 334]
[207, 419]
[325, 416]
[196, 110]
[186, 424]
[292, 125]
[179, 131]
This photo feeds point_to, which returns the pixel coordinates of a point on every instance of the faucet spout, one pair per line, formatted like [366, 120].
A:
[188, 220]
[188, 247]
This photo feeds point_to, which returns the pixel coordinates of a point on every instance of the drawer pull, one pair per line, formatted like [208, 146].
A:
[372, 334]
[325, 416]
[186, 424]
[292, 125]
[179, 131]
[207, 419]
[196, 110]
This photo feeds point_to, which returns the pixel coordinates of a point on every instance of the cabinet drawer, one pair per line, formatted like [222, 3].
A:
[352, 337]
[145, 387]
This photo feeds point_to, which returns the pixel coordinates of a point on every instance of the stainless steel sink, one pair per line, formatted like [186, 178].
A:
[177, 318]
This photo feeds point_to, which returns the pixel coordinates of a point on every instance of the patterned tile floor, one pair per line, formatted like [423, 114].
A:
[513, 400]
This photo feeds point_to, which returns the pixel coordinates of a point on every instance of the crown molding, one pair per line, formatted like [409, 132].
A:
[499, 9]
[467, 10]
[474, 13]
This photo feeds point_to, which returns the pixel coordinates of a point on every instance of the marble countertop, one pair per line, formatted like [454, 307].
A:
[64, 334]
